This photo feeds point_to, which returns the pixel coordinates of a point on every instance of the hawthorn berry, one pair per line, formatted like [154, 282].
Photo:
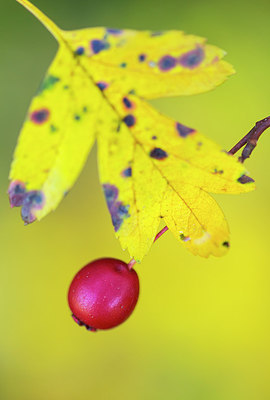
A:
[103, 294]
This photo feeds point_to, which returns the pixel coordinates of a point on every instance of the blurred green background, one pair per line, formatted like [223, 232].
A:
[201, 327]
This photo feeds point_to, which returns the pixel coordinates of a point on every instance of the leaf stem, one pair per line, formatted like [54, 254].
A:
[47, 22]
[251, 139]
[161, 233]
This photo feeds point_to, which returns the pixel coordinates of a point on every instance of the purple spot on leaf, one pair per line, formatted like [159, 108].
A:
[79, 51]
[158, 154]
[126, 173]
[102, 85]
[192, 59]
[99, 45]
[40, 116]
[245, 179]
[111, 193]
[114, 31]
[183, 130]
[129, 120]
[142, 57]
[16, 192]
[127, 102]
[33, 200]
[117, 209]
[166, 63]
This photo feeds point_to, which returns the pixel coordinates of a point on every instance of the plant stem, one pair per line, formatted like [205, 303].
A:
[161, 233]
[47, 22]
[251, 139]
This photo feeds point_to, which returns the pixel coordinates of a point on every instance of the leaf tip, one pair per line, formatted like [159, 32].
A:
[244, 179]
[30, 201]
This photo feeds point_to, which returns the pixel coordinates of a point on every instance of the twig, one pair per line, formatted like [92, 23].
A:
[251, 139]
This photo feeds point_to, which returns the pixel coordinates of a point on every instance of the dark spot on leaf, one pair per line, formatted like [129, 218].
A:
[226, 244]
[166, 63]
[99, 45]
[32, 201]
[110, 192]
[142, 57]
[122, 210]
[245, 179]
[127, 102]
[192, 59]
[184, 238]
[79, 51]
[53, 129]
[118, 210]
[154, 137]
[129, 120]
[16, 192]
[158, 153]
[126, 173]
[183, 130]
[33, 198]
[218, 171]
[123, 65]
[118, 213]
[77, 117]
[40, 116]
[48, 83]
[157, 33]
[102, 85]
[114, 31]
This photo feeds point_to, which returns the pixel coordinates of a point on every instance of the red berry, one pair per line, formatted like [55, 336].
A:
[103, 294]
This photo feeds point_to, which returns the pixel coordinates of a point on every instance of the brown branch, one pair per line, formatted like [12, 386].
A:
[251, 139]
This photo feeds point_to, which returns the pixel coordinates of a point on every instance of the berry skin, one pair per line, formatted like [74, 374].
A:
[103, 294]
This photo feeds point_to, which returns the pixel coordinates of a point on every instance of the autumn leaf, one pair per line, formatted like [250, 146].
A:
[151, 167]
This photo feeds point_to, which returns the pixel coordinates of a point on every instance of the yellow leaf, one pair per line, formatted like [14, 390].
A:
[151, 167]
[150, 64]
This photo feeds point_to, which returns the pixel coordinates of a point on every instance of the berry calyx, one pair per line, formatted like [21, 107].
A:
[103, 294]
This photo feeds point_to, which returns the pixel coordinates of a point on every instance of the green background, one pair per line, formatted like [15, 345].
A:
[201, 327]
